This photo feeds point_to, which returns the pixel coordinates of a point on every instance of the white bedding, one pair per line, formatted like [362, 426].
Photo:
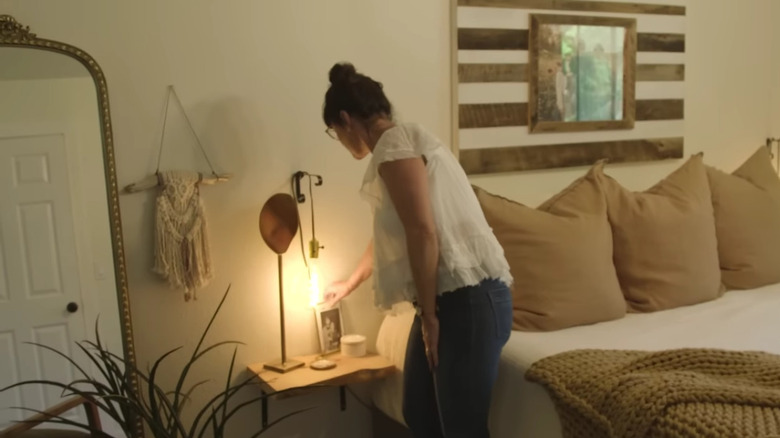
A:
[740, 320]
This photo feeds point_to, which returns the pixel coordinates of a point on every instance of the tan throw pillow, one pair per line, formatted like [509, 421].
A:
[747, 222]
[560, 256]
[666, 251]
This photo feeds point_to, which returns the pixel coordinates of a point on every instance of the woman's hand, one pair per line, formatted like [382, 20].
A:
[335, 292]
[430, 329]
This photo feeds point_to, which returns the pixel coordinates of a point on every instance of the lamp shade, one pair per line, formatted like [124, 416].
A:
[279, 222]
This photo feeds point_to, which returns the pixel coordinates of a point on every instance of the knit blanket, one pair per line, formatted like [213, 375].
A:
[674, 393]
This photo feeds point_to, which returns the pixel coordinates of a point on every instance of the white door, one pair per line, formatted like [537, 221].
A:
[39, 272]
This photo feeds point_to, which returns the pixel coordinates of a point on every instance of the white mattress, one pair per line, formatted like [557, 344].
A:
[740, 320]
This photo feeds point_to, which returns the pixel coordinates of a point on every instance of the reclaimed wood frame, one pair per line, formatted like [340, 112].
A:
[629, 67]
[547, 156]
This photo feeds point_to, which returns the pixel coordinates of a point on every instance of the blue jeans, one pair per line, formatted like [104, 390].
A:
[454, 400]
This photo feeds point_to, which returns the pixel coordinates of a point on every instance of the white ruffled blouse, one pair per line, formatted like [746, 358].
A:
[468, 250]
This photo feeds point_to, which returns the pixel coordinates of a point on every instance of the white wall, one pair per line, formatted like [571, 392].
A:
[252, 75]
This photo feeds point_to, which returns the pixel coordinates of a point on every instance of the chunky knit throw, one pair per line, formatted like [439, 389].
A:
[674, 393]
[181, 253]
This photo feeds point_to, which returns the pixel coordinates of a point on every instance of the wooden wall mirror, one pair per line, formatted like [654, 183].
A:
[581, 73]
[62, 260]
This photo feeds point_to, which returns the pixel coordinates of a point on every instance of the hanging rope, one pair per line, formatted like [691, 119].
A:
[172, 92]
[300, 230]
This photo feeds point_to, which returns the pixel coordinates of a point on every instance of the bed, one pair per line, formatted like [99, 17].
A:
[739, 320]
[619, 309]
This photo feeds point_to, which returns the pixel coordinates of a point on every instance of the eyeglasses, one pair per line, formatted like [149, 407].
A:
[331, 133]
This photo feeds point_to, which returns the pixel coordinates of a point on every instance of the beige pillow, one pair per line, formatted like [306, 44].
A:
[665, 249]
[747, 222]
[560, 256]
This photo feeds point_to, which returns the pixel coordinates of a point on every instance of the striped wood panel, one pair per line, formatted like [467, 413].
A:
[580, 6]
[517, 39]
[490, 115]
[485, 73]
[509, 159]
[475, 73]
[660, 48]
[660, 42]
[492, 39]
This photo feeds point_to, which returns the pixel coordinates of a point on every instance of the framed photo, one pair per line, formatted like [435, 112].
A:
[330, 327]
[581, 73]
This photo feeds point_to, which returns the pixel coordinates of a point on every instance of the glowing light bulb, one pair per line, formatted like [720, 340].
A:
[315, 293]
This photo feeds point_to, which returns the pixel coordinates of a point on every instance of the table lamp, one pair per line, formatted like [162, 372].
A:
[278, 225]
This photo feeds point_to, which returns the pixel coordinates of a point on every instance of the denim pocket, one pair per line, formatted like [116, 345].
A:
[501, 306]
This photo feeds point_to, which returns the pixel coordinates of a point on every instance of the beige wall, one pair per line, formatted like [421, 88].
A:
[252, 75]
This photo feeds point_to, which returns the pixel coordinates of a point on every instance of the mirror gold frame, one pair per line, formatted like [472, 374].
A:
[14, 34]
[535, 123]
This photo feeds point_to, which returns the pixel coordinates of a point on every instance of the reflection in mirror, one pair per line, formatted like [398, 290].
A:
[582, 71]
[57, 271]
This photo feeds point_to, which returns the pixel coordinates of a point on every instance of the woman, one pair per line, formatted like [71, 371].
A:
[433, 247]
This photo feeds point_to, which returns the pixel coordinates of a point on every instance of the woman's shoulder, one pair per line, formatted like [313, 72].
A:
[404, 134]
[413, 128]
[417, 134]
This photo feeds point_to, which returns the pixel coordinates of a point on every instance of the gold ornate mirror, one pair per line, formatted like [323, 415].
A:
[62, 259]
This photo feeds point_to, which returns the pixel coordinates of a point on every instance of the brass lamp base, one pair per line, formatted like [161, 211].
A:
[283, 366]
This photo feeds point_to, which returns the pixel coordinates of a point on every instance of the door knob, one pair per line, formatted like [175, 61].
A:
[72, 307]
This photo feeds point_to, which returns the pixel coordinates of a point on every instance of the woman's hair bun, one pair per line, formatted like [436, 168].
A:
[354, 93]
[342, 73]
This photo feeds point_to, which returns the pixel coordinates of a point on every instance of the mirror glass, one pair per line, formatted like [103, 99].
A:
[580, 73]
[57, 269]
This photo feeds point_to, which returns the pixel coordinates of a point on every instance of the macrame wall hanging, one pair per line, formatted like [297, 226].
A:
[181, 247]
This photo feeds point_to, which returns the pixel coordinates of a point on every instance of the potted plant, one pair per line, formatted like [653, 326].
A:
[159, 410]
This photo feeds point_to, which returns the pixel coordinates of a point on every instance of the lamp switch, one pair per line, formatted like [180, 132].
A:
[314, 248]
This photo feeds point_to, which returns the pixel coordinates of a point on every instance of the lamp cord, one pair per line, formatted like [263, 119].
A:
[311, 197]
[300, 230]
[300, 227]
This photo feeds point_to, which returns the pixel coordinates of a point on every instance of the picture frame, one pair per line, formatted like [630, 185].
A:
[581, 73]
[330, 327]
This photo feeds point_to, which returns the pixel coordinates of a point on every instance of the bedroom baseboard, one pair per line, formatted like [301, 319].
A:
[386, 427]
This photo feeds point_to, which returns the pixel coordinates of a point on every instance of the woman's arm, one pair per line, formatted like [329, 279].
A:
[364, 267]
[407, 183]
[340, 289]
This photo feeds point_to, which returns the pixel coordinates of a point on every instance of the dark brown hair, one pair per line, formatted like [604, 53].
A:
[358, 95]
